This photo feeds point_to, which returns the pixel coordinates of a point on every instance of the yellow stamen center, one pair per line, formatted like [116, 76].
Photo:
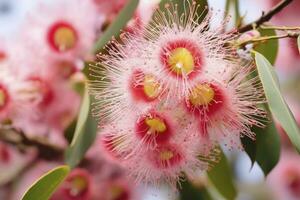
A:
[202, 95]
[156, 125]
[181, 61]
[2, 98]
[78, 185]
[64, 38]
[151, 87]
[166, 155]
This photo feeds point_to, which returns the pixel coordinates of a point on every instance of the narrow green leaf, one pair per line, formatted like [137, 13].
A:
[115, 28]
[298, 42]
[268, 147]
[269, 48]
[187, 191]
[85, 133]
[250, 147]
[43, 188]
[221, 177]
[82, 118]
[276, 102]
[265, 150]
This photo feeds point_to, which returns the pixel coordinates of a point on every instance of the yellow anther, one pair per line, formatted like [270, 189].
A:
[181, 61]
[166, 155]
[151, 87]
[116, 192]
[2, 98]
[64, 38]
[201, 95]
[78, 185]
[156, 125]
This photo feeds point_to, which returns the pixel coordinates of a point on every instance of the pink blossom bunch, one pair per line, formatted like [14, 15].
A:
[169, 94]
[38, 70]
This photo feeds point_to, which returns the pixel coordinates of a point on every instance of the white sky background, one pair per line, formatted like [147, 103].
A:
[12, 13]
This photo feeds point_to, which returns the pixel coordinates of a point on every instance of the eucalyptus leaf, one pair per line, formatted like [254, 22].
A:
[43, 188]
[265, 150]
[221, 177]
[268, 48]
[114, 29]
[188, 191]
[276, 102]
[85, 133]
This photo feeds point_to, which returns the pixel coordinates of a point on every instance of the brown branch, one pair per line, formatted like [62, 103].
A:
[45, 150]
[266, 16]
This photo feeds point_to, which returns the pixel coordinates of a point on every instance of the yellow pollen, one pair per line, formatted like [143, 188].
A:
[78, 185]
[151, 87]
[181, 61]
[201, 95]
[166, 155]
[2, 98]
[64, 38]
[115, 192]
[156, 125]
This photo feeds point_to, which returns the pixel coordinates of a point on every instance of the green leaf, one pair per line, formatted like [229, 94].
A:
[269, 48]
[85, 133]
[221, 177]
[188, 191]
[114, 29]
[43, 188]
[184, 5]
[298, 42]
[268, 147]
[250, 147]
[276, 102]
[265, 150]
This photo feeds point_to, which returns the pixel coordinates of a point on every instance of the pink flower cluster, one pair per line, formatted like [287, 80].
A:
[169, 94]
[37, 71]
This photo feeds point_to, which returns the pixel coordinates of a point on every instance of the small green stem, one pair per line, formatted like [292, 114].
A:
[238, 19]
[227, 7]
[267, 38]
[281, 28]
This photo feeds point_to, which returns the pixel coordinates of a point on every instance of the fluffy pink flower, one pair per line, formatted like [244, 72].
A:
[65, 29]
[167, 94]
[47, 97]
[54, 112]
[14, 101]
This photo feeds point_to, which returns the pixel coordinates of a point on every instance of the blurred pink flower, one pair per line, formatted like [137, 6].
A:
[66, 29]
[284, 180]
[12, 162]
[77, 186]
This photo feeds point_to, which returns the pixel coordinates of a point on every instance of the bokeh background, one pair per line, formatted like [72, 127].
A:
[249, 179]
